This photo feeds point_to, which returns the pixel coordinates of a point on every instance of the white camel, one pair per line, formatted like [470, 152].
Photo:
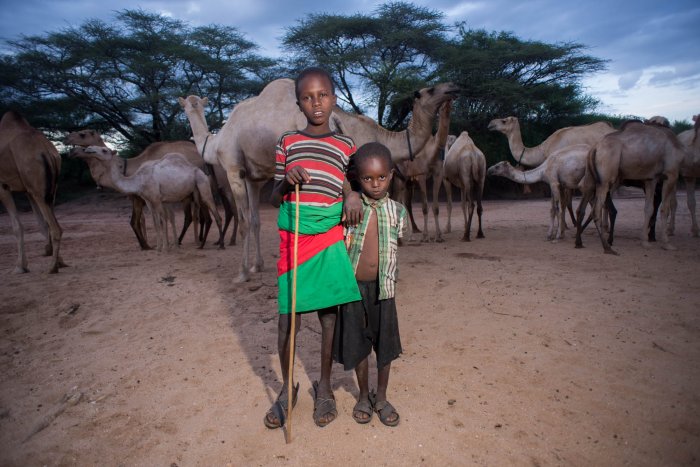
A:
[562, 171]
[465, 167]
[29, 163]
[101, 174]
[170, 179]
[245, 145]
[637, 151]
[427, 164]
[532, 157]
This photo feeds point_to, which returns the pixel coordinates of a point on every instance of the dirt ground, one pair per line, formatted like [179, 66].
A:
[517, 351]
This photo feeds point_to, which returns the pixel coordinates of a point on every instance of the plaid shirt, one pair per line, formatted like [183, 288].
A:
[391, 224]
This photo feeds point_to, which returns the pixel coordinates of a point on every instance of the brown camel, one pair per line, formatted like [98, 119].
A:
[29, 163]
[416, 172]
[465, 167]
[562, 171]
[245, 146]
[169, 179]
[100, 173]
[532, 157]
[690, 171]
[635, 152]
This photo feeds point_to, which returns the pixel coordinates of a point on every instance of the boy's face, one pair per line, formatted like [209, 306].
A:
[316, 101]
[375, 176]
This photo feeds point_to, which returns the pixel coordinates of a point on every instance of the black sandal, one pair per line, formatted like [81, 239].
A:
[323, 408]
[363, 407]
[385, 410]
[279, 409]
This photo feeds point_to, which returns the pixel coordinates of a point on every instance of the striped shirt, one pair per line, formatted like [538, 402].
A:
[391, 224]
[324, 157]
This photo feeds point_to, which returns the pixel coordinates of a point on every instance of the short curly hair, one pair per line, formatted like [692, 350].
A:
[310, 71]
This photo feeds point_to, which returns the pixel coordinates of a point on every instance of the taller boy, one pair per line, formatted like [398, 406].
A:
[316, 159]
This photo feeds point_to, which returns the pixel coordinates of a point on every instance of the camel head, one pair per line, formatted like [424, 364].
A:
[84, 138]
[193, 103]
[504, 125]
[450, 141]
[100, 152]
[430, 99]
[500, 169]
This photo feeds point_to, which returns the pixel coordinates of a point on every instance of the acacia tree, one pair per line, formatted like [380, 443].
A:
[126, 76]
[373, 58]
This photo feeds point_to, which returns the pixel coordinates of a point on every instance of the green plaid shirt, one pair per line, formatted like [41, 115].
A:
[391, 224]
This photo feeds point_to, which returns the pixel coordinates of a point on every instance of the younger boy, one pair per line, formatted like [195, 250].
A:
[372, 321]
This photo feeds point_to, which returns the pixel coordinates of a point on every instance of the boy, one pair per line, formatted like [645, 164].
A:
[372, 321]
[316, 159]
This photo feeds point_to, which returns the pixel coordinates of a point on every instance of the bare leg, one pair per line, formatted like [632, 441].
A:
[382, 384]
[283, 334]
[362, 373]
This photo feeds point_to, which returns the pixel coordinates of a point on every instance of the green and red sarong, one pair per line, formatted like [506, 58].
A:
[325, 276]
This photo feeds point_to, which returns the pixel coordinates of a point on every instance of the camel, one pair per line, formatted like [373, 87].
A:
[562, 171]
[245, 145]
[690, 171]
[29, 163]
[169, 179]
[465, 167]
[155, 151]
[427, 164]
[637, 151]
[658, 120]
[532, 157]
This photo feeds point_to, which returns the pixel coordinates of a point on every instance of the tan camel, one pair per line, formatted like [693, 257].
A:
[637, 151]
[428, 163]
[465, 167]
[29, 163]
[532, 157]
[658, 120]
[245, 146]
[169, 179]
[155, 151]
[690, 171]
[562, 171]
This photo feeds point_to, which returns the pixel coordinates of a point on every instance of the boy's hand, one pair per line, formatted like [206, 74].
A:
[297, 174]
[352, 209]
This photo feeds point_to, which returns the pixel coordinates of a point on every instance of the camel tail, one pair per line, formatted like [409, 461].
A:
[590, 165]
[51, 180]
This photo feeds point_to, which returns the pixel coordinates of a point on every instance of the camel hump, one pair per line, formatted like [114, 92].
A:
[13, 120]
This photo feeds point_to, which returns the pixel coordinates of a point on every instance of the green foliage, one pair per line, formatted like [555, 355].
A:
[125, 77]
[371, 56]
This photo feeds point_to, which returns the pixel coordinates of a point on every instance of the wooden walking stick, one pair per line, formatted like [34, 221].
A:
[290, 381]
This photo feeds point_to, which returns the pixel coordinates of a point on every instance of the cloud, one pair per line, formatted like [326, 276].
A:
[629, 80]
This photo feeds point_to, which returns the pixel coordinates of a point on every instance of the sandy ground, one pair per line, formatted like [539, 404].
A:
[518, 351]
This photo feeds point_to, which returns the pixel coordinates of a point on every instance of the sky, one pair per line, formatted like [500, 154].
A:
[652, 46]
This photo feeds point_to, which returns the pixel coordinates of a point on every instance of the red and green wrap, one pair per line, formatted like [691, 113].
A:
[325, 276]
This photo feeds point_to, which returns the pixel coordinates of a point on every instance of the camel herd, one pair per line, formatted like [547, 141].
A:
[237, 161]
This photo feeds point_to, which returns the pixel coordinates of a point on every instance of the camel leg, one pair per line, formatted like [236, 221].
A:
[463, 194]
[187, 210]
[448, 191]
[570, 205]
[580, 213]
[424, 207]
[553, 213]
[672, 215]
[602, 191]
[156, 223]
[55, 233]
[169, 222]
[557, 215]
[657, 202]
[610, 213]
[479, 210]
[254, 200]
[43, 227]
[234, 174]
[690, 201]
[137, 222]
[649, 187]
[668, 193]
[9, 202]
[205, 197]
[229, 213]
[437, 182]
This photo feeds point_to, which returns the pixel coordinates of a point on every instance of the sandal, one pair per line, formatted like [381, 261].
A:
[385, 410]
[323, 408]
[363, 407]
[279, 409]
